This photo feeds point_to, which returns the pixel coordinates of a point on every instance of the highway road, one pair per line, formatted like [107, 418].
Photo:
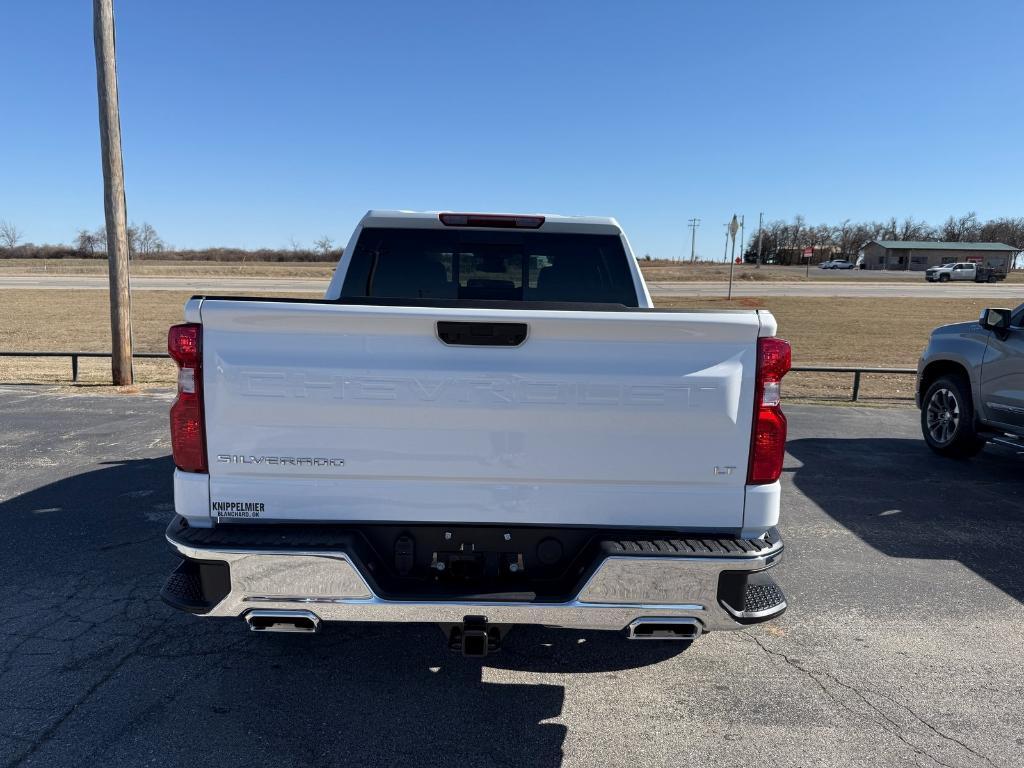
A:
[902, 645]
[1012, 292]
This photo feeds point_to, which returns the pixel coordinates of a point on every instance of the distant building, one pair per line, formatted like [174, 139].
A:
[918, 255]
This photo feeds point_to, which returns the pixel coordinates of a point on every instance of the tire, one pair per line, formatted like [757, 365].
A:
[943, 278]
[991, 278]
[947, 418]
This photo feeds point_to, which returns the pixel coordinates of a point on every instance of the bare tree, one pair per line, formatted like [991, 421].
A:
[144, 239]
[86, 242]
[774, 236]
[100, 236]
[912, 229]
[10, 235]
[324, 244]
[133, 239]
[149, 240]
[857, 236]
[842, 238]
[295, 245]
[961, 228]
[1005, 230]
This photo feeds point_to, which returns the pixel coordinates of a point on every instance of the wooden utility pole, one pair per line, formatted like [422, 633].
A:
[760, 233]
[743, 221]
[733, 226]
[113, 193]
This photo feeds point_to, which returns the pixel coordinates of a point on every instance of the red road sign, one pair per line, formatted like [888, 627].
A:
[808, 252]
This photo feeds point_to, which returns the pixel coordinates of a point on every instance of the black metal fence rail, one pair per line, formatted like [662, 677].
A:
[857, 371]
[76, 355]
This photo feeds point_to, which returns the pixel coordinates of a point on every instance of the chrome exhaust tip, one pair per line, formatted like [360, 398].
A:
[282, 621]
[664, 628]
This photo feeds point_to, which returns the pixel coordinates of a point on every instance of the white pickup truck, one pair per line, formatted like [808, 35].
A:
[484, 422]
[966, 271]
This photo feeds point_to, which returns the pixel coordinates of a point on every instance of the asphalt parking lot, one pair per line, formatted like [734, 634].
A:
[904, 644]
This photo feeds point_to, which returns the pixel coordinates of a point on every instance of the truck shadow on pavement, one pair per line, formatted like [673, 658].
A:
[96, 669]
[907, 502]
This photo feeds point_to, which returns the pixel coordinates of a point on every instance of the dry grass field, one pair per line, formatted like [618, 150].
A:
[888, 333]
[825, 331]
[157, 268]
[57, 320]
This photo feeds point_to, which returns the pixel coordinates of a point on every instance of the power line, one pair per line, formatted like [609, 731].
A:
[693, 224]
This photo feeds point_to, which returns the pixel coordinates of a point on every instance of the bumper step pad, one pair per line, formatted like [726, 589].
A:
[197, 585]
[184, 586]
[751, 598]
[762, 597]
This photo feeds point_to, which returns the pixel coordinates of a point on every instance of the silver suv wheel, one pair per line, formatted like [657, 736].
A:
[943, 416]
[947, 417]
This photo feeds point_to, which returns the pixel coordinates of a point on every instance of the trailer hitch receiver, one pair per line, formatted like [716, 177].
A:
[474, 636]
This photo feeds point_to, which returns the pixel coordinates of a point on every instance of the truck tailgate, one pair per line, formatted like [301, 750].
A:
[322, 411]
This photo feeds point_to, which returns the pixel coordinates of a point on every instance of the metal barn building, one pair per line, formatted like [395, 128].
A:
[918, 255]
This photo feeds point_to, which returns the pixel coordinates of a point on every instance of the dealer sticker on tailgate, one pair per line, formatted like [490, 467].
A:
[237, 508]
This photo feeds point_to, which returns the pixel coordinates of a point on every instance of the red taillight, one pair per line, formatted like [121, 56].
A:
[490, 220]
[768, 434]
[188, 438]
[768, 446]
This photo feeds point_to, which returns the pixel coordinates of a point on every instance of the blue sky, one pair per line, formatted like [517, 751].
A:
[251, 123]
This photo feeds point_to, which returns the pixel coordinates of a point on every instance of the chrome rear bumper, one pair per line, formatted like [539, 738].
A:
[620, 590]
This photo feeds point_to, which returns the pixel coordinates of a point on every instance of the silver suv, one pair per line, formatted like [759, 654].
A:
[970, 383]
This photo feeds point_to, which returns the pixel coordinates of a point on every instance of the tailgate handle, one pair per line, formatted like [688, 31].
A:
[482, 334]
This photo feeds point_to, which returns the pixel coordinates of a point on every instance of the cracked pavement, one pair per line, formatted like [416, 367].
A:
[903, 646]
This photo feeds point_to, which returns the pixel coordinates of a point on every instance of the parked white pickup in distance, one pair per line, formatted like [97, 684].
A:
[963, 271]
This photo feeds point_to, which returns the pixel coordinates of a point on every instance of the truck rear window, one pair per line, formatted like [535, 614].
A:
[495, 266]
